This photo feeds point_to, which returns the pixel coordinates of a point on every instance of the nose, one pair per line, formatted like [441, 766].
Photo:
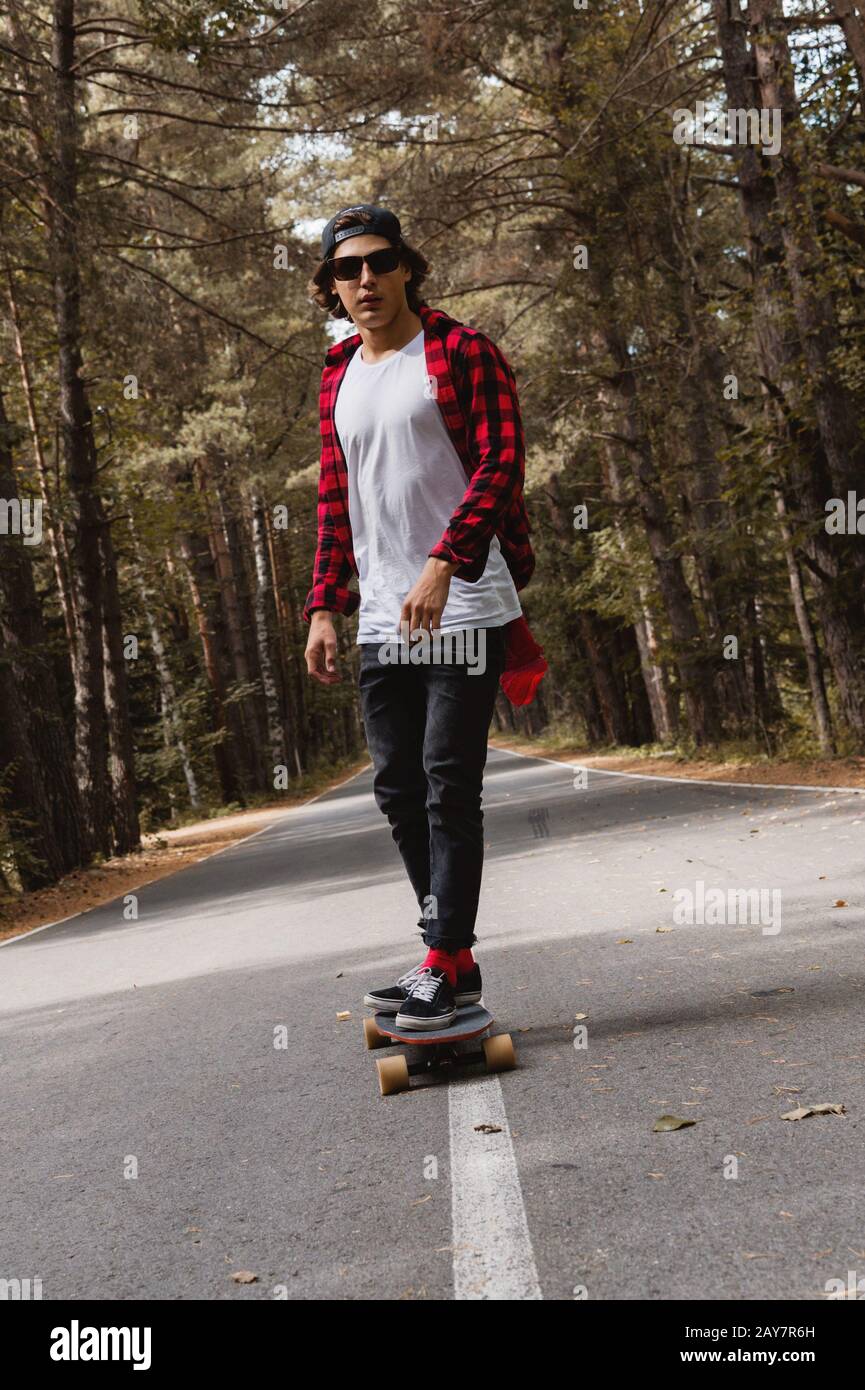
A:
[367, 278]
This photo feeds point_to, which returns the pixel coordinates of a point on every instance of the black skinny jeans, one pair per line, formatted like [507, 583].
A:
[426, 728]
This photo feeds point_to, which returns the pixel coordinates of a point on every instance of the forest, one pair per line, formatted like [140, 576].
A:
[653, 207]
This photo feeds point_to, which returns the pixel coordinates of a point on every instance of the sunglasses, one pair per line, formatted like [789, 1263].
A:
[380, 262]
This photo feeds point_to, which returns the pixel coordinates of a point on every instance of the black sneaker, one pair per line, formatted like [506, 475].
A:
[469, 990]
[430, 1003]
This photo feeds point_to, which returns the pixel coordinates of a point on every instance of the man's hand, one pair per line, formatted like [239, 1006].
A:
[321, 649]
[425, 600]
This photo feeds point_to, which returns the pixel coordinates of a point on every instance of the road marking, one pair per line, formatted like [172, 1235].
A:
[687, 781]
[493, 1256]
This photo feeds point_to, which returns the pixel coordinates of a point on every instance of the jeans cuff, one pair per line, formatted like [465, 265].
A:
[435, 942]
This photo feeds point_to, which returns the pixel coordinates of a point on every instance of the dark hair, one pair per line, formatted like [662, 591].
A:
[320, 286]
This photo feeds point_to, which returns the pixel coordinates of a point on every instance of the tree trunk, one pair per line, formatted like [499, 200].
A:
[229, 749]
[822, 715]
[263, 607]
[854, 33]
[779, 351]
[836, 410]
[170, 705]
[661, 704]
[245, 676]
[76, 436]
[44, 793]
[53, 524]
[695, 667]
[124, 812]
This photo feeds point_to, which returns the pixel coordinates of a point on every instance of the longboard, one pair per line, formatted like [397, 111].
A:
[395, 1073]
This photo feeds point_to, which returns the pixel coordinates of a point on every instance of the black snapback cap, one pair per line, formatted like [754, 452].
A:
[382, 222]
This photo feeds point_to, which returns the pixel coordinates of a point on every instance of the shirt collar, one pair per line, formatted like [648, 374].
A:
[433, 320]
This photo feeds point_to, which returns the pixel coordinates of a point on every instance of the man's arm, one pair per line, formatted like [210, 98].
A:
[487, 394]
[332, 570]
[329, 594]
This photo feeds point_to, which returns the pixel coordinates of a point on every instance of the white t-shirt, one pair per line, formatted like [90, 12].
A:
[405, 480]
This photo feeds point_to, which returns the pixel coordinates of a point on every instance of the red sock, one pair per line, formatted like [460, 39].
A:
[465, 960]
[443, 960]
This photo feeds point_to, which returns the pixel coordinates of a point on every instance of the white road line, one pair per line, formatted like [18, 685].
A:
[493, 1257]
[688, 781]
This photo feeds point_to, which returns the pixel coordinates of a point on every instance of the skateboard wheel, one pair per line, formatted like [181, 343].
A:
[392, 1075]
[499, 1053]
[372, 1036]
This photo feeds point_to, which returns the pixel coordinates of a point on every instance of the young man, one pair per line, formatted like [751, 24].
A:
[421, 496]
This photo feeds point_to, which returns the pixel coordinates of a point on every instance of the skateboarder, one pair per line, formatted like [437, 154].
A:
[421, 496]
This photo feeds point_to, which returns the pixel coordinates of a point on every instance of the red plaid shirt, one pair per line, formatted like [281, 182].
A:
[477, 395]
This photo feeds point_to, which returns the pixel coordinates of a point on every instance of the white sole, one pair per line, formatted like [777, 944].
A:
[389, 1006]
[425, 1025]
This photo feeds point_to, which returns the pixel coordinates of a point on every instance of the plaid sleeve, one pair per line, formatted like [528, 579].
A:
[332, 569]
[487, 394]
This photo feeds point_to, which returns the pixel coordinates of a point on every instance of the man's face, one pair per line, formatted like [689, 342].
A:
[371, 300]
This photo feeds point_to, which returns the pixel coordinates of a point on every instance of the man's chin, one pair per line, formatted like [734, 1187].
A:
[369, 311]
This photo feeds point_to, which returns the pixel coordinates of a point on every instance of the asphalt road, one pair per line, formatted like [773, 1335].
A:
[180, 1102]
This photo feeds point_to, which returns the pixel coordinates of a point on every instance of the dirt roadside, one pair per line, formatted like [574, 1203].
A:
[161, 854]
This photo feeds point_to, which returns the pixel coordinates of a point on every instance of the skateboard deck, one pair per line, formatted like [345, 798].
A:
[470, 1022]
[438, 1048]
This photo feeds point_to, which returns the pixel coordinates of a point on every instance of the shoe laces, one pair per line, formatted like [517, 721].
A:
[407, 980]
[425, 985]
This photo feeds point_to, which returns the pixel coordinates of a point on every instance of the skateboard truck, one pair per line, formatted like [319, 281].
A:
[394, 1073]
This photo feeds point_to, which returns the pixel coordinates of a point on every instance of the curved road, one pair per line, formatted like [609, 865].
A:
[180, 1101]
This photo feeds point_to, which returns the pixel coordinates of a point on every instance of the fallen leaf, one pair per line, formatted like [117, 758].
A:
[625, 941]
[764, 993]
[245, 1276]
[420, 1201]
[657, 929]
[343, 1015]
[669, 1122]
[581, 1015]
[488, 1128]
[654, 1175]
[839, 902]
[803, 1111]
